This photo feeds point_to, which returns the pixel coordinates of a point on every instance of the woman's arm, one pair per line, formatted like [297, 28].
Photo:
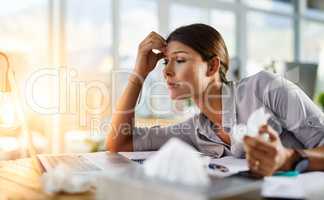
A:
[119, 136]
[298, 115]
[120, 133]
[265, 158]
[315, 157]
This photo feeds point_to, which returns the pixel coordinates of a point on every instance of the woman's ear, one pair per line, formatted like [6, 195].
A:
[213, 66]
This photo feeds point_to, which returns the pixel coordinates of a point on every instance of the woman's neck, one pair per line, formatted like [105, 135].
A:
[210, 102]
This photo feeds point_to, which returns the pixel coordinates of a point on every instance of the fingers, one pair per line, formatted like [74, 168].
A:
[273, 135]
[264, 164]
[160, 56]
[259, 155]
[259, 166]
[263, 128]
[158, 36]
[262, 172]
[262, 156]
[153, 36]
[153, 41]
[258, 144]
[150, 45]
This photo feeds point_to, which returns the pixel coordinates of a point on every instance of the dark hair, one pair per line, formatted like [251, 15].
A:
[207, 41]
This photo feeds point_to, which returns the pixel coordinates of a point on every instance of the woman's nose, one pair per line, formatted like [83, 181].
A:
[168, 72]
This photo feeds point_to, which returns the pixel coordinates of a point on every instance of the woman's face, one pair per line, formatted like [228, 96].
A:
[185, 71]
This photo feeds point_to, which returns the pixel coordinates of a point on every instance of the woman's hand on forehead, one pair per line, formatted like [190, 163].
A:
[150, 51]
[155, 34]
[158, 40]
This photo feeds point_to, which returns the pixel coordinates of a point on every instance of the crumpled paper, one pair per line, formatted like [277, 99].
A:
[255, 121]
[177, 162]
[63, 179]
[251, 128]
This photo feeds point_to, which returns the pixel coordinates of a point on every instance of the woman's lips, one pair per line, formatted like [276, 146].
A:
[172, 85]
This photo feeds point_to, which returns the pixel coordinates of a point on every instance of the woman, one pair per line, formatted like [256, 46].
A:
[196, 61]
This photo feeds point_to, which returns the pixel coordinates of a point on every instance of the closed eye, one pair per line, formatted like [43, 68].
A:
[181, 61]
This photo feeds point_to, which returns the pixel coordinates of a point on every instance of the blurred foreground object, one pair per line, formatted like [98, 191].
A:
[12, 120]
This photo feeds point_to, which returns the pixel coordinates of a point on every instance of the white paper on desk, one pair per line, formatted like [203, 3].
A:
[313, 185]
[137, 155]
[282, 187]
[308, 185]
[234, 165]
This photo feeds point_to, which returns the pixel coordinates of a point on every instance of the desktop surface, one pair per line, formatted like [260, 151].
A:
[139, 186]
[20, 180]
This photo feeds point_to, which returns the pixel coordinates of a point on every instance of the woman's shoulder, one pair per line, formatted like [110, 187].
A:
[262, 81]
[261, 77]
[259, 85]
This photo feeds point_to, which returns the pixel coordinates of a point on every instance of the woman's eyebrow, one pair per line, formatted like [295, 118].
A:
[180, 51]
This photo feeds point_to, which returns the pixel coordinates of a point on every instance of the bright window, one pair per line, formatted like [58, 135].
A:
[224, 22]
[24, 37]
[89, 35]
[270, 38]
[285, 6]
[312, 47]
[221, 20]
[312, 41]
[138, 19]
[24, 31]
[185, 14]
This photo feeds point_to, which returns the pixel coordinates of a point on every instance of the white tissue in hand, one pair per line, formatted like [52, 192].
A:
[255, 121]
[61, 179]
[178, 162]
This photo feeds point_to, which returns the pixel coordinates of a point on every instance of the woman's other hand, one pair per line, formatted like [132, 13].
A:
[266, 157]
[146, 59]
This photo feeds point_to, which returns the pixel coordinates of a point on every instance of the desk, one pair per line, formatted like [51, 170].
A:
[19, 180]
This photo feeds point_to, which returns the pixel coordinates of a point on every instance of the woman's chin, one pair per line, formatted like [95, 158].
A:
[177, 96]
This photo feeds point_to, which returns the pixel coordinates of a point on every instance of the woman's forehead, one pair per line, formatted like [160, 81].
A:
[175, 47]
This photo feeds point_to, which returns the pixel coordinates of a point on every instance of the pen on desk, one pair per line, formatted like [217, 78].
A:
[140, 161]
[219, 167]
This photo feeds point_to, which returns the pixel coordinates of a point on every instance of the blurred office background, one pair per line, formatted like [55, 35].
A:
[71, 57]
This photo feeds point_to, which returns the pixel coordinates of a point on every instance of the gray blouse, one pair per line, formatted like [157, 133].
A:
[299, 121]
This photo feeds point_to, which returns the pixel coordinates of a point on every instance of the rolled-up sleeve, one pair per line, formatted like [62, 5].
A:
[150, 139]
[296, 111]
